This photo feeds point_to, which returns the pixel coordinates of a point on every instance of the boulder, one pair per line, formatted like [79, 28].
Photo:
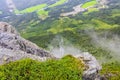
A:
[92, 66]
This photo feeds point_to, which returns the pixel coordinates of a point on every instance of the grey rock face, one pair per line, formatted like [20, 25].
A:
[92, 69]
[10, 39]
[7, 55]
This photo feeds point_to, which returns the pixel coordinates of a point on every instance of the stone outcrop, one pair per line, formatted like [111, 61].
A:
[11, 40]
[92, 68]
[7, 55]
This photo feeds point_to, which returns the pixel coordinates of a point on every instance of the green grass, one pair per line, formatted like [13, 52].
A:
[31, 9]
[58, 30]
[91, 10]
[89, 4]
[111, 71]
[67, 68]
[43, 14]
[58, 3]
[116, 15]
[101, 25]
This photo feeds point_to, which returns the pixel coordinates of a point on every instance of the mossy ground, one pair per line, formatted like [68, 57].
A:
[67, 68]
[111, 70]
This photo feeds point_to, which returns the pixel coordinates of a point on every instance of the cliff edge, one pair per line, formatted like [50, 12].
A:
[13, 45]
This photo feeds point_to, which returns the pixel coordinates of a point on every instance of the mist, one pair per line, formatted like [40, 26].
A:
[111, 44]
[60, 47]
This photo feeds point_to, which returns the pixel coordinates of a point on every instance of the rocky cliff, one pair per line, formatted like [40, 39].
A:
[92, 67]
[13, 45]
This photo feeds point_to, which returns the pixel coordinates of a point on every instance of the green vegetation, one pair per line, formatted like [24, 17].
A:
[63, 25]
[31, 9]
[58, 30]
[115, 13]
[111, 70]
[78, 39]
[58, 3]
[101, 25]
[89, 4]
[42, 14]
[73, 30]
[39, 9]
[67, 68]
[91, 10]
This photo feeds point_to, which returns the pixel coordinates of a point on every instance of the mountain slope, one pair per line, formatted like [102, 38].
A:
[42, 32]
[13, 47]
[68, 27]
